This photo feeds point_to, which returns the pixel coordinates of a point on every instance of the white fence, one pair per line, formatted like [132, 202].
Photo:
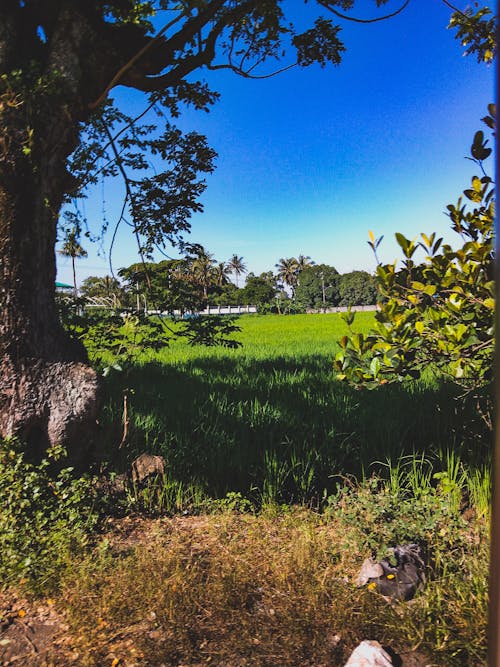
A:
[104, 302]
[221, 310]
[341, 309]
[210, 310]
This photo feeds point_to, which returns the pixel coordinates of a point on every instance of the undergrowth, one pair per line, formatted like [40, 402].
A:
[47, 517]
[234, 581]
[276, 587]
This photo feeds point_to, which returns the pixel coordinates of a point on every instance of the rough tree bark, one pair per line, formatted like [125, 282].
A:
[48, 393]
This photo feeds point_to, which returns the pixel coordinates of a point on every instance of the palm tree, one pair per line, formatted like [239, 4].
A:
[237, 266]
[287, 272]
[72, 248]
[202, 269]
[220, 274]
[303, 262]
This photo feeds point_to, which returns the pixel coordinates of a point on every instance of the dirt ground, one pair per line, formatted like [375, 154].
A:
[34, 633]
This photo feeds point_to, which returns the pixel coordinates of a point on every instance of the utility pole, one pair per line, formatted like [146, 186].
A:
[323, 290]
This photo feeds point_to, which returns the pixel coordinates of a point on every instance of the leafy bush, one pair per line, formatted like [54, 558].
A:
[46, 517]
[414, 504]
[438, 313]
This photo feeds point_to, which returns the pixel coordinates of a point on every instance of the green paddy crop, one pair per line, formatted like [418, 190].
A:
[269, 420]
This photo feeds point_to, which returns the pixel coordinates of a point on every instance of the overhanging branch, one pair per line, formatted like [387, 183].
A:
[327, 5]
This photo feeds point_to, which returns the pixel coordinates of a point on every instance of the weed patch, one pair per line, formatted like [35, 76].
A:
[46, 519]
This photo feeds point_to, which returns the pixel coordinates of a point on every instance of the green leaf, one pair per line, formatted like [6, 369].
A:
[402, 241]
[348, 317]
[476, 184]
[375, 366]
[430, 290]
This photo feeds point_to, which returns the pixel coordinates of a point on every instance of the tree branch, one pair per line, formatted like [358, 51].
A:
[123, 70]
[455, 9]
[203, 57]
[326, 5]
[129, 197]
[126, 74]
[246, 74]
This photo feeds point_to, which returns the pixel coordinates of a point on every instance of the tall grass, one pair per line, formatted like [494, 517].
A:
[270, 421]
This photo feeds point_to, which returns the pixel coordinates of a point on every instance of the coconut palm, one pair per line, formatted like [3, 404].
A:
[220, 274]
[303, 262]
[237, 266]
[287, 272]
[72, 248]
[202, 269]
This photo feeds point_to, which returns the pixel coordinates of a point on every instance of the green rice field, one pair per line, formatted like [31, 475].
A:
[269, 420]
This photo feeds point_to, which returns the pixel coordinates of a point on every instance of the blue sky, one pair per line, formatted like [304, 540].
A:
[312, 159]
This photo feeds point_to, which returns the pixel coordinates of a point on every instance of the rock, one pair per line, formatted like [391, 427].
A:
[369, 654]
[147, 465]
[369, 570]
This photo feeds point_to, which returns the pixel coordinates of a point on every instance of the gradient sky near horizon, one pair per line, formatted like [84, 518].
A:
[311, 160]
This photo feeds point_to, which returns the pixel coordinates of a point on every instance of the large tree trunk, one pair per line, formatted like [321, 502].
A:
[48, 392]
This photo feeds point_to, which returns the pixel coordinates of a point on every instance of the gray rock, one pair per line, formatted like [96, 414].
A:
[369, 570]
[147, 465]
[400, 581]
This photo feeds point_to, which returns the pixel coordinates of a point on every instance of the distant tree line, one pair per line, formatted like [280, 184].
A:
[199, 279]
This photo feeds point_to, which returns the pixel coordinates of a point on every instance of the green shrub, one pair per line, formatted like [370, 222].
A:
[437, 313]
[46, 517]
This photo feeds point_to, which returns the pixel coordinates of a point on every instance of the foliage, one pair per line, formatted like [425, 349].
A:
[47, 517]
[476, 31]
[160, 204]
[113, 339]
[210, 331]
[318, 287]
[166, 286]
[439, 313]
[357, 288]
[413, 499]
[226, 295]
[258, 290]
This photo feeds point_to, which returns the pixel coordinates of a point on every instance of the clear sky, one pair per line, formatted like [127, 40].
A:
[312, 159]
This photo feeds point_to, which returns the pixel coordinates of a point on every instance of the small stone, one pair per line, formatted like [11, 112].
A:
[147, 465]
[369, 570]
[369, 654]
